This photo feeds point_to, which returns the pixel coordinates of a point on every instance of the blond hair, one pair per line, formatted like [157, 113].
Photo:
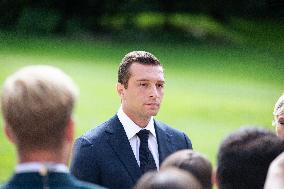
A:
[37, 102]
[279, 106]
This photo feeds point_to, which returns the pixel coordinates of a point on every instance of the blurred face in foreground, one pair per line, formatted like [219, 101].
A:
[279, 123]
[144, 93]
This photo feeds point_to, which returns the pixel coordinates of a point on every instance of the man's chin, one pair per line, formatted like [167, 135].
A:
[153, 112]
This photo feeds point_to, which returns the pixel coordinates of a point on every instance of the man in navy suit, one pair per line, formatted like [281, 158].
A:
[37, 104]
[116, 153]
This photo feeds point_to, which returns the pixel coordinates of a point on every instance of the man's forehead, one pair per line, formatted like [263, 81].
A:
[137, 68]
[142, 72]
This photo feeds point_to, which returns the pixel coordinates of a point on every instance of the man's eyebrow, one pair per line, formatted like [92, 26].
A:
[160, 81]
[142, 80]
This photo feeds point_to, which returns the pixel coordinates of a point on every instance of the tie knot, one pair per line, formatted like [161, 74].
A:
[143, 135]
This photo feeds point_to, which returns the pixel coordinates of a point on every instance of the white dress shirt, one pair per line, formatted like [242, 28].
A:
[132, 129]
[41, 167]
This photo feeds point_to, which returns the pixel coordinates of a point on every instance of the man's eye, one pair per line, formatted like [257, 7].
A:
[143, 84]
[280, 122]
[160, 85]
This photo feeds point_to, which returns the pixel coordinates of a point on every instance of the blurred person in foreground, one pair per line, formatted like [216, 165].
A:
[275, 176]
[37, 104]
[244, 158]
[278, 114]
[168, 178]
[192, 162]
[116, 153]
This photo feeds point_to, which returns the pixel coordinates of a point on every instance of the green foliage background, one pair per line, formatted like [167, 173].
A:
[210, 89]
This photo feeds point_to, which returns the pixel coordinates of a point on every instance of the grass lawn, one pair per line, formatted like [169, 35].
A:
[210, 91]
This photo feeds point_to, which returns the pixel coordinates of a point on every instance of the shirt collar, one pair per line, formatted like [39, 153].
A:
[39, 166]
[130, 127]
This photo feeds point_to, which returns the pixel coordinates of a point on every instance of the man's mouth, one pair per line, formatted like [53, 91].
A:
[154, 104]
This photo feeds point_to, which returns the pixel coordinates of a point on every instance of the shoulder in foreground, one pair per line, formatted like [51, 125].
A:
[75, 183]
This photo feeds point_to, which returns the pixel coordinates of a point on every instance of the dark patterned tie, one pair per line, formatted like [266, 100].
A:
[147, 161]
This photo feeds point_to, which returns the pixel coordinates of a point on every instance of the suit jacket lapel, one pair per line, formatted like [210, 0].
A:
[164, 141]
[120, 144]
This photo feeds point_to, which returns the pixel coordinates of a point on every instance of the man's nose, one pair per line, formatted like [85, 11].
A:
[154, 91]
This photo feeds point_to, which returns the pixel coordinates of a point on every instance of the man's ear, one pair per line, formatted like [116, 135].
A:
[120, 89]
[9, 133]
[70, 130]
[214, 178]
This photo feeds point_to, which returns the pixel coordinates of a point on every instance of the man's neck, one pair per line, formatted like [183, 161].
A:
[42, 156]
[138, 120]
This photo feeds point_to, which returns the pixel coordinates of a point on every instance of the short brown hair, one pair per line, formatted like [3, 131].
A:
[192, 162]
[37, 102]
[170, 178]
[244, 157]
[140, 57]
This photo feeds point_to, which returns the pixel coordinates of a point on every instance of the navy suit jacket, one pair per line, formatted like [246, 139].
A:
[104, 155]
[34, 180]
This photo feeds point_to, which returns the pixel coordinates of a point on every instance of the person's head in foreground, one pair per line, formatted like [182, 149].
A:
[37, 104]
[170, 178]
[244, 157]
[192, 162]
[275, 176]
[278, 116]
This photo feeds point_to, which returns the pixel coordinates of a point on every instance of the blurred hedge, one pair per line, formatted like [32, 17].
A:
[67, 16]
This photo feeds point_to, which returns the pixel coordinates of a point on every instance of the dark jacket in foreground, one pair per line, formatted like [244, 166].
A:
[51, 181]
[104, 155]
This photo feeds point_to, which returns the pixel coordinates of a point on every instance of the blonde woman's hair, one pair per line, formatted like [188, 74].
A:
[279, 106]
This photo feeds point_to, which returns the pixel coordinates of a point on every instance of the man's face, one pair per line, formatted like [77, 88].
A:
[145, 91]
[280, 125]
